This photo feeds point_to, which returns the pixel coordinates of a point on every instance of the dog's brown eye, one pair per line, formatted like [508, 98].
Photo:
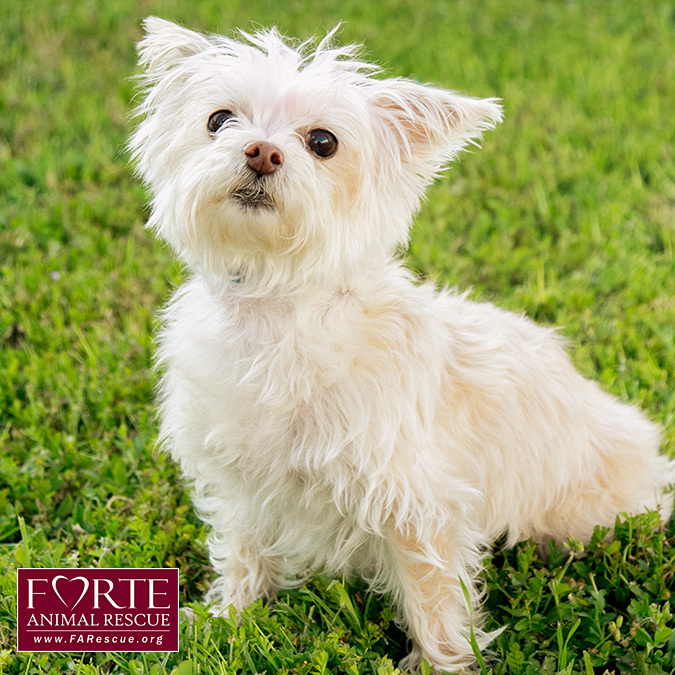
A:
[217, 120]
[322, 143]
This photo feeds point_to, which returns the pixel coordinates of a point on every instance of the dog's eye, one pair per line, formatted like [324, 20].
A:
[322, 143]
[217, 120]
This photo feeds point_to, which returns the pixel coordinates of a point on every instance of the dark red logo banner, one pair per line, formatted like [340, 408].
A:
[97, 610]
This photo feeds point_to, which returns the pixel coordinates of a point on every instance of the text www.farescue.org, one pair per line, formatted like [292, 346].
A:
[80, 639]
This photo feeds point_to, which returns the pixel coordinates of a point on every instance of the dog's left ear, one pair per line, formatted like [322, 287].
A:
[166, 44]
[432, 124]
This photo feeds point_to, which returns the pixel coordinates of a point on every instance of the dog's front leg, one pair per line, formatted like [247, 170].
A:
[245, 573]
[428, 567]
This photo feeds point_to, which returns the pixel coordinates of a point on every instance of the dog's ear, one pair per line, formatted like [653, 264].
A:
[432, 124]
[166, 44]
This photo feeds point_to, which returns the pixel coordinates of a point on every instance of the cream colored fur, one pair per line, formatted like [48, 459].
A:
[330, 412]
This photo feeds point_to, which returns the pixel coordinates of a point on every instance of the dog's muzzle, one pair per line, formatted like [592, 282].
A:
[253, 195]
[263, 161]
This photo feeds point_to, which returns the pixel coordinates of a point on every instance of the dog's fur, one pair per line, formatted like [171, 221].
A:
[329, 412]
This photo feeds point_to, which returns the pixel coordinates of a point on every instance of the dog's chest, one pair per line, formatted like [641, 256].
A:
[253, 377]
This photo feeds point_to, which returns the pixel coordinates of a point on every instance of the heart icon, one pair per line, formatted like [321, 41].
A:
[85, 587]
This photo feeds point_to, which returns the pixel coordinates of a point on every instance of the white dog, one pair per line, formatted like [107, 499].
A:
[330, 412]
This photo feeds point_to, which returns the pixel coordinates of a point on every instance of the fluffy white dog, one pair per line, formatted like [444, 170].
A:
[330, 412]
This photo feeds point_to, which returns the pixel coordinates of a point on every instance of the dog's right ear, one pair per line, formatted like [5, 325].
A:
[166, 44]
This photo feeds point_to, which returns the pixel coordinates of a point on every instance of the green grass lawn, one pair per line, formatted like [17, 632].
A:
[567, 213]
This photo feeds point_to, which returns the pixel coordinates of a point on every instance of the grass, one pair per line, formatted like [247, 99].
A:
[567, 213]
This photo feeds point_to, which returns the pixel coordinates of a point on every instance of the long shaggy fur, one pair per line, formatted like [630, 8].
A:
[329, 412]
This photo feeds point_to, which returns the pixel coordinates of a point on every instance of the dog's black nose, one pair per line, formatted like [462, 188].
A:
[263, 158]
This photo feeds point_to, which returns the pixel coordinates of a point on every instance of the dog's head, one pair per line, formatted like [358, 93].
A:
[283, 164]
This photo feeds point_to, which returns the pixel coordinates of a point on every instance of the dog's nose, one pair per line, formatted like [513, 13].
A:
[263, 158]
